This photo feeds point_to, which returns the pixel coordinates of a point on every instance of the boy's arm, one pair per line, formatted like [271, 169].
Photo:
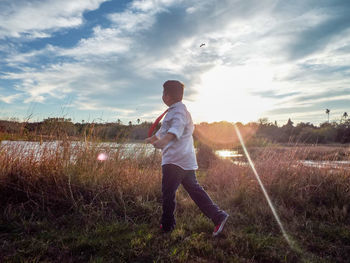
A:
[174, 132]
[161, 143]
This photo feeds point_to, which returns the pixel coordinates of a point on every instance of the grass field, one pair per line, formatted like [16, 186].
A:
[54, 209]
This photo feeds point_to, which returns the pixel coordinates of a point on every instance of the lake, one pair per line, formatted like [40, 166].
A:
[236, 158]
[130, 149]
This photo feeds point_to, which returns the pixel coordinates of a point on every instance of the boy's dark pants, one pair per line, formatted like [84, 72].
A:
[173, 176]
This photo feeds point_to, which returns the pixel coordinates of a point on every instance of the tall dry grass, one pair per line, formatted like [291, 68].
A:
[68, 178]
[313, 203]
[305, 152]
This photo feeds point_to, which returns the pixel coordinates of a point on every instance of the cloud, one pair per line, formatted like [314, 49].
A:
[310, 106]
[39, 18]
[317, 25]
[16, 59]
[273, 94]
[121, 65]
[10, 99]
[103, 42]
[131, 21]
[324, 96]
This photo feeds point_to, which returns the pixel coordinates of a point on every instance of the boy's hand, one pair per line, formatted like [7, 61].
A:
[160, 144]
[151, 139]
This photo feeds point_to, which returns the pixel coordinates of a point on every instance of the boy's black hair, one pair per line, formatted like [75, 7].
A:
[174, 88]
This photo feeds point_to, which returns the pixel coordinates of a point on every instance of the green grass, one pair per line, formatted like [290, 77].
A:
[55, 210]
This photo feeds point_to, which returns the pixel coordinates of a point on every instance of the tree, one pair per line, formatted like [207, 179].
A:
[327, 112]
[289, 123]
[287, 131]
[263, 121]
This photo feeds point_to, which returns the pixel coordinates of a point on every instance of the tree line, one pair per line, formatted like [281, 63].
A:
[218, 134]
[62, 128]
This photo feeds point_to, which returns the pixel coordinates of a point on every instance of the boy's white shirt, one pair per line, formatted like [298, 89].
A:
[180, 151]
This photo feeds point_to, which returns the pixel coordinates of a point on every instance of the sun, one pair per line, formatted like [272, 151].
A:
[227, 93]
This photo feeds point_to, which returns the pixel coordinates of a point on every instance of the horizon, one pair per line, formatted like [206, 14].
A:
[240, 61]
[126, 123]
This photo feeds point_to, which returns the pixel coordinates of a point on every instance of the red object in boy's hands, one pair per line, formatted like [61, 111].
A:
[154, 125]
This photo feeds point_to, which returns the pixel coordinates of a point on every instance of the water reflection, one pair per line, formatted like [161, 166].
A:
[235, 157]
[326, 164]
[228, 154]
[37, 149]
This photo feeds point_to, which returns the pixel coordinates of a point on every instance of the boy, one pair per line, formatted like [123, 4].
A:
[179, 160]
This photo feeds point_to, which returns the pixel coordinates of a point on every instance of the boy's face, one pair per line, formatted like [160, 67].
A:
[167, 99]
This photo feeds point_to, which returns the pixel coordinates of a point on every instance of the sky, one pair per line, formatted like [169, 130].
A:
[104, 60]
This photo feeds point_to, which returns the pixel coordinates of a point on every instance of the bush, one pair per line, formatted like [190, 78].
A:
[205, 156]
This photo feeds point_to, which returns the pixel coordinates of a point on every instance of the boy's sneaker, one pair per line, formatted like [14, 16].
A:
[219, 227]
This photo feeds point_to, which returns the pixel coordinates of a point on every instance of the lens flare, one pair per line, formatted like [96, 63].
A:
[285, 235]
[102, 157]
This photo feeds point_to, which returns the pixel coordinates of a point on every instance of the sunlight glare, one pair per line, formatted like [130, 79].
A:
[227, 93]
[274, 212]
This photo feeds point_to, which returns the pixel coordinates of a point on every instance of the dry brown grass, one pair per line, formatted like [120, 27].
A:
[305, 152]
[70, 178]
[125, 190]
[296, 190]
